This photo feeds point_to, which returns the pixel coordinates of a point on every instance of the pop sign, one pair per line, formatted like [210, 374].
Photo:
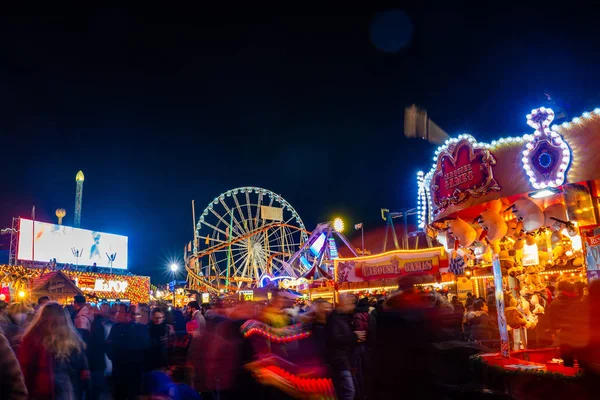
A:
[462, 171]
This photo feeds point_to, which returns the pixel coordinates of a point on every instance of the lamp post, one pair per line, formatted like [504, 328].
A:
[174, 268]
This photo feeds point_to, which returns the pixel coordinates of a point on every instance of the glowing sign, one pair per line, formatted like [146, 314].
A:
[247, 295]
[101, 285]
[333, 252]
[546, 156]
[531, 256]
[462, 171]
[57, 241]
[286, 282]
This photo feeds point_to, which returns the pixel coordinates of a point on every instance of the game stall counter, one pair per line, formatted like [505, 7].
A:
[516, 216]
[523, 379]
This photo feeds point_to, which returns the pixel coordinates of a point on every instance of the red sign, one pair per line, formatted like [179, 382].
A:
[86, 282]
[391, 265]
[462, 172]
[593, 240]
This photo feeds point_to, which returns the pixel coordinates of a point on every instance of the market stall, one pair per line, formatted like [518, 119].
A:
[95, 286]
[56, 285]
[517, 215]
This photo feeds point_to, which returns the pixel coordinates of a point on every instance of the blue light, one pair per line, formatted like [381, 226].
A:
[305, 262]
[333, 252]
[545, 160]
[317, 246]
[266, 279]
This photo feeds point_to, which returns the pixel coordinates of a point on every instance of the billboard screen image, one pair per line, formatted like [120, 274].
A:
[56, 241]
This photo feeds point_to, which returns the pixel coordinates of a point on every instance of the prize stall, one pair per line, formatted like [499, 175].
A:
[517, 216]
[378, 274]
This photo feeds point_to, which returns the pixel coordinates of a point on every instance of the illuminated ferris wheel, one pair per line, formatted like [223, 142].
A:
[242, 235]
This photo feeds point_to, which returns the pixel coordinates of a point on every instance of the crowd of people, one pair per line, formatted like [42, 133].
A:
[366, 348]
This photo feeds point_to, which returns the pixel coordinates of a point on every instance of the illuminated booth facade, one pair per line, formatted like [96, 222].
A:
[517, 215]
[61, 286]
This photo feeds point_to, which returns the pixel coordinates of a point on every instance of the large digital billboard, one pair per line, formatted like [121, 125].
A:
[58, 241]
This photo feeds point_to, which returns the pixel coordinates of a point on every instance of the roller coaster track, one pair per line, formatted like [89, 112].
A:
[203, 281]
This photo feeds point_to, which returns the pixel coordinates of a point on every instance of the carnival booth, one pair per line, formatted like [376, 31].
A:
[378, 274]
[63, 285]
[56, 285]
[517, 216]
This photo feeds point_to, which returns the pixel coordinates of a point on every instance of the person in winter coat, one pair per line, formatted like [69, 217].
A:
[126, 346]
[479, 325]
[52, 357]
[162, 337]
[12, 384]
[362, 321]
[569, 317]
[341, 340]
[406, 332]
[10, 330]
[96, 350]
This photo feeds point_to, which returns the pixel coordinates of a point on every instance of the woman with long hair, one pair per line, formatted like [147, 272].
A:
[52, 356]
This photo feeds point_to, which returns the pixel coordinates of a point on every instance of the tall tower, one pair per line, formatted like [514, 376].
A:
[78, 197]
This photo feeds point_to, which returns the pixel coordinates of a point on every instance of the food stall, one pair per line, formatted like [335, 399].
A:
[516, 216]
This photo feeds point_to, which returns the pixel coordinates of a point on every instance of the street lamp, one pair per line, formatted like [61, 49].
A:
[174, 267]
[338, 225]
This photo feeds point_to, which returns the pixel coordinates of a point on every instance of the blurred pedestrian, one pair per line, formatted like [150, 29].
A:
[363, 322]
[127, 345]
[10, 330]
[341, 341]
[568, 316]
[52, 357]
[83, 317]
[162, 337]
[197, 322]
[12, 384]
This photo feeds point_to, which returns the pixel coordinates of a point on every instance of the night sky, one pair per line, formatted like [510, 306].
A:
[159, 107]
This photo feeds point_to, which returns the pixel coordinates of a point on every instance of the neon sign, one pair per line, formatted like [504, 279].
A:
[284, 281]
[101, 285]
[546, 156]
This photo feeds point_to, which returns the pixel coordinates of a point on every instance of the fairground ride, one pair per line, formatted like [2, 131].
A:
[242, 235]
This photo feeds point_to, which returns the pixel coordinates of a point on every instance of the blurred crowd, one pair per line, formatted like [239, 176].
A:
[363, 348]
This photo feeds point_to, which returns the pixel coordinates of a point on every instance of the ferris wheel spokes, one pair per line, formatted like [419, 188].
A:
[241, 243]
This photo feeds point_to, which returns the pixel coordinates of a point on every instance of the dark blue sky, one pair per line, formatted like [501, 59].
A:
[159, 107]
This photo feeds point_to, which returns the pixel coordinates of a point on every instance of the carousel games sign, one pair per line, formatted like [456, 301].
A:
[462, 171]
[391, 265]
